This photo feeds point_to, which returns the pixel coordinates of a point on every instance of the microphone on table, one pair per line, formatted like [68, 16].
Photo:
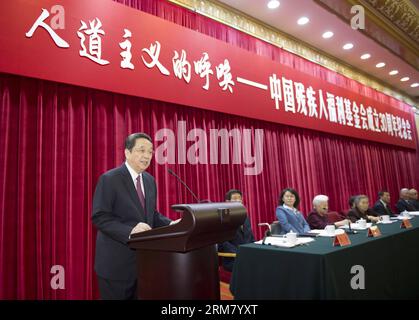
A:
[187, 188]
[268, 232]
[350, 231]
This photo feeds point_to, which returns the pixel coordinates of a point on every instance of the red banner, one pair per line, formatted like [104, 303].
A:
[105, 45]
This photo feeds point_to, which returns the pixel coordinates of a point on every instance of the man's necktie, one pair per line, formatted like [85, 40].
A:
[140, 191]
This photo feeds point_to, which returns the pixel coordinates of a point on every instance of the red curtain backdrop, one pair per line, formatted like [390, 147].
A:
[57, 139]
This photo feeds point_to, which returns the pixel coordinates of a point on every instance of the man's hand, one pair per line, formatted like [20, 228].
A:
[342, 223]
[141, 227]
[374, 219]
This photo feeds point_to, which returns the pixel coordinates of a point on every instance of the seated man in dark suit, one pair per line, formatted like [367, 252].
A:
[362, 210]
[243, 235]
[413, 195]
[404, 203]
[124, 203]
[382, 206]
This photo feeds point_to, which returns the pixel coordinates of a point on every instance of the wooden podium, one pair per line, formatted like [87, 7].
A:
[180, 261]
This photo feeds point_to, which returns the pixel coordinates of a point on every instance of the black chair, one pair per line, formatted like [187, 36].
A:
[273, 229]
[276, 228]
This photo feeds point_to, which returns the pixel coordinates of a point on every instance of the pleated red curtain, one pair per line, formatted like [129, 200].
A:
[57, 139]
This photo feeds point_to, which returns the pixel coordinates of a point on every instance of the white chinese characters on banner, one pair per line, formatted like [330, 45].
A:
[370, 119]
[331, 106]
[348, 112]
[40, 22]
[126, 54]
[300, 96]
[408, 131]
[376, 120]
[295, 97]
[363, 117]
[223, 72]
[203, 69]
[340, 111]
[389, 124]
[355, 113]
[287, 86]
[383, 123]
[323, 111]
[335, 109]
[275, 88]
[181, 66]
[154, 54]
[311, 102]
[94, 49]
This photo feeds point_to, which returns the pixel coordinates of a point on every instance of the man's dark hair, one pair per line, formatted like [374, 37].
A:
[351, 201]
[297, 197]
[381, 193]
[230, 193]
[132, 138]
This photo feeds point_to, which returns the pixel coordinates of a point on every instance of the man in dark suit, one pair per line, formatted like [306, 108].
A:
[413, 195]
[404, 202]
[382, 206]
[124, 203]
[243, 235]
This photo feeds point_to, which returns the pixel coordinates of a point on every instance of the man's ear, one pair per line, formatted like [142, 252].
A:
[126, 152]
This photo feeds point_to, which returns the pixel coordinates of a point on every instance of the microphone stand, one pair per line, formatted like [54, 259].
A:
[268, 232]
[187, 188]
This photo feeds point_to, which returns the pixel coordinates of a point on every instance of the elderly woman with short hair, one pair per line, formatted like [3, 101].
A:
[317, 218]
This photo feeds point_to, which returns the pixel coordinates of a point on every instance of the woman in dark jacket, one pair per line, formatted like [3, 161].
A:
[362, 210]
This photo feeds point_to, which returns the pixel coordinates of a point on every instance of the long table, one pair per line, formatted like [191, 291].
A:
[321, 271]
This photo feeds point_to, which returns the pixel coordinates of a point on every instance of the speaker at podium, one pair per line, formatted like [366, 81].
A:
[179, 261]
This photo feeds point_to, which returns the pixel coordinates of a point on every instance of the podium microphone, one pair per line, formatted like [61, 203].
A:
[185, 185]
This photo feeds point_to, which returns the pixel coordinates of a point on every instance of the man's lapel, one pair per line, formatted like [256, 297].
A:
[147, 195]
[412, 208]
